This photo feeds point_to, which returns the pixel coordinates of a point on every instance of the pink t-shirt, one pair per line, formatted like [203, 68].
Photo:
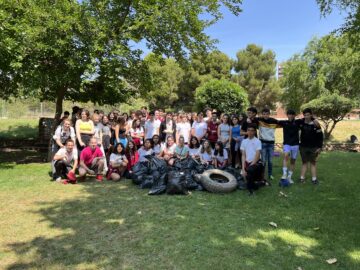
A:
[87, 155]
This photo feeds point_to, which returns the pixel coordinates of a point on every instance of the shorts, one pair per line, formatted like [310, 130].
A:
[308, 154]
[293, 150]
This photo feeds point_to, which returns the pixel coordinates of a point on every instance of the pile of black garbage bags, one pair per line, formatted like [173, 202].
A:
[180, 178]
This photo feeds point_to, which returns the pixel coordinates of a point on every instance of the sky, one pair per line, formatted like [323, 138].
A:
[284, 26]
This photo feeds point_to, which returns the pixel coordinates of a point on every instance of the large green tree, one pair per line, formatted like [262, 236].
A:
[222, 95]
[328, 65]
[256, 73]
[76, 50]
[166, 75]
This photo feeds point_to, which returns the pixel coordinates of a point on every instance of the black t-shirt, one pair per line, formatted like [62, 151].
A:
[290, 131]
[311, 135]
[254, 122]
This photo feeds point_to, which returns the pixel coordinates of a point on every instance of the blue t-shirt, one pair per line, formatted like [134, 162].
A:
[235, 131]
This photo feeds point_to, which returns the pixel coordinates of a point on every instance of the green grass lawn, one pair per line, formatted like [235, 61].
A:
[45, 225]
[19, 128]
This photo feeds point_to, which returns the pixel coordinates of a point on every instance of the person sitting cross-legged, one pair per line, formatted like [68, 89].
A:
[252, 167]
[118, 163]
[65, 163]
[92, 160]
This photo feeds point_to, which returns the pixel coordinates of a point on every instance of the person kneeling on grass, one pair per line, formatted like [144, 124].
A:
[92, 161]
[65, 163]
[252, 167]
[118, 163]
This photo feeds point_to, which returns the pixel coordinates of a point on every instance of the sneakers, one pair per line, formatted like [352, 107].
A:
[291, 181]
[271, 177]
[99, 177]
[315, 182]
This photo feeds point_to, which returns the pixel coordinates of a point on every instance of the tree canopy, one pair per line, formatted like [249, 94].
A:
[222, 95]
[83, 51]
[256, 74]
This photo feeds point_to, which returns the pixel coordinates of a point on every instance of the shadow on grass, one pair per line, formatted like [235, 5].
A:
[117, 226]
[20, 132]
[21, 156]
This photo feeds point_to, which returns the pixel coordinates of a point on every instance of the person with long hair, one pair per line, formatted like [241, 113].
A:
[121, 131]
[194, 148]
[235, 140]
[224, 131]
[206, 153]
[84, 129]
[169, 150]
[132, 155]
[157, 145]
[220, 156]
[118, 163]
[145, 150]
[137, 132]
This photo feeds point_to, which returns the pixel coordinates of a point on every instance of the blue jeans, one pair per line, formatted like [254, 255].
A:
[267, 151]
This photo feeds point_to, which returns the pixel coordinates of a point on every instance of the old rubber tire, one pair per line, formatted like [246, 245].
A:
[215, 186]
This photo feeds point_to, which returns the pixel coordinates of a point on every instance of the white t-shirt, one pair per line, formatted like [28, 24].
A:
[170, 150]
[207, 157]
[152, 128]
[98, 129]
[194, 151]
[142, 153]
[158, 148]
[61, 133]
[184, 129]
[137, 131]
[250, 146]
[70, 157]
[221, 159]
[117, 158]
[199, 128]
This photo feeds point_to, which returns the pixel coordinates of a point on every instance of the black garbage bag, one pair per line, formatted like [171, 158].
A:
[140, 170]
[190, 183]
[157, 164]
[176, 183]
[159, 185]
[239, 178]
[148, 181]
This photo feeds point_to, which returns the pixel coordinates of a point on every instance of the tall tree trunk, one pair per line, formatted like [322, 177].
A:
[59, 104]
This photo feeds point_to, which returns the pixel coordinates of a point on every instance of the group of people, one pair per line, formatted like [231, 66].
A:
[111, 144]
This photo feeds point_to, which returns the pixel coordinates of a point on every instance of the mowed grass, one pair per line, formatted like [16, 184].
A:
[19, 128]
[341, 134]
[45, 225]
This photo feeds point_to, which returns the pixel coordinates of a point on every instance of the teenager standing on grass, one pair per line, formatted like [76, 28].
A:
[311, 143]
[236, 140]
[224, 132]
[183, 128]
[84, 129]
[62, 134]
[267, 127]
[212, 129]
[152, 126]
[199, 127]
[251, 119]
[290, 144]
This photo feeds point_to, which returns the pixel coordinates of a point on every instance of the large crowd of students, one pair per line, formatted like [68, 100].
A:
[111, 144]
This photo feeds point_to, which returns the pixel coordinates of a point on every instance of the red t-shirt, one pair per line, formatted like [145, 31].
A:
[132, 160]
[212, 131]
[87, 155]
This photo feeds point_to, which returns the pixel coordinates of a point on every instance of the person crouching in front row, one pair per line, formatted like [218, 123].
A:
[92, 161]
[252, 167]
